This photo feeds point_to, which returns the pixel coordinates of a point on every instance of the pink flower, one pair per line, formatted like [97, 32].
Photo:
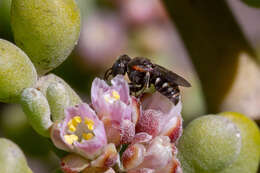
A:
[80, 132]
[73, 163]
[155, 156]
[150, 131]
[116, 108]
[142, 12]
[160, 117]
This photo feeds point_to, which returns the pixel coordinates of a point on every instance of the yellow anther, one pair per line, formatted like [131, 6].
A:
[77, 119]
[72, 128]
[116, 95]
[70, 138]
[73, 123]
[90, 123]
[91, 127]
[110, 98]
[87, 136]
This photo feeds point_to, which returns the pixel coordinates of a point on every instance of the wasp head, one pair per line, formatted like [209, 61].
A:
[119, 67]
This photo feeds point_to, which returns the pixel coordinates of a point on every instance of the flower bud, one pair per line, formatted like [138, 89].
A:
[154, 156]
[73, 163]
[160, 117]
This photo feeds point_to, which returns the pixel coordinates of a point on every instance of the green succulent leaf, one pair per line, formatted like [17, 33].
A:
[46, 30]
[37, 110]
[58, 99]
[12, 159]
[16, 72]
[45, 81]
[249, 157]
[209, 144]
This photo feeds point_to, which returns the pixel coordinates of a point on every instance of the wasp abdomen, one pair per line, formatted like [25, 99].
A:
[171, 92]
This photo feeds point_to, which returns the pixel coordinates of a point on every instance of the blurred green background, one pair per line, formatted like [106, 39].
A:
[215, 46]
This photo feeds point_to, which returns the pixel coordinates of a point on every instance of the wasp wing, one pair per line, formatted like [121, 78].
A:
[172, 77]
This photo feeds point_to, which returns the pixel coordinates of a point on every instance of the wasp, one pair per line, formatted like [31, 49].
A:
[142, 73]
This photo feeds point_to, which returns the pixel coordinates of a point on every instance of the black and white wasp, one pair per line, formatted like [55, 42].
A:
[142, 73]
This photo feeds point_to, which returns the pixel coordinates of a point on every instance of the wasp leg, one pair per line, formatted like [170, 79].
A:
[135, 88]
[146, 83]
[174, 96]
[147, 80]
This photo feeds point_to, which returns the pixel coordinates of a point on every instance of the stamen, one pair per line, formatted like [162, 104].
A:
[71, 138]
[77, 119]
[72, 128]
[90, 123]
[110, 98]
[73, 123]
[87, 136]
[116, 95]
[91, 127]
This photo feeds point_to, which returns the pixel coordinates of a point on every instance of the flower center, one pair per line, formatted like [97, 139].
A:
[78, 130]
[112, 97]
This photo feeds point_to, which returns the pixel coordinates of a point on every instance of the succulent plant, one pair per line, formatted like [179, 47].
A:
[115, 132]
[46, 30]
[12, 158]
[228, 143]
[16, 72]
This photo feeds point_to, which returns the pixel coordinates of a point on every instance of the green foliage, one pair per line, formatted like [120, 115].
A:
[252, 3]
[5, 26]
[47, 102]
[14, 126]
[12, 159]
[45, 81]
[16, 72]
[46, 30]
[209, 144]
[249, 157]
[58, 99]
[37, 110]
